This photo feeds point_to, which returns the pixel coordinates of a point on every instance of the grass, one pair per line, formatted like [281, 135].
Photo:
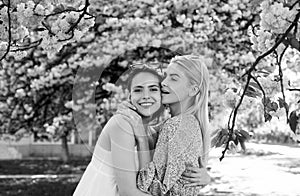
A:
[42, 166]
[58, 186]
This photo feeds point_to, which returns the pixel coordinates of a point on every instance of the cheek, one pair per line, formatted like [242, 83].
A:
[156, 96]
[133, 99]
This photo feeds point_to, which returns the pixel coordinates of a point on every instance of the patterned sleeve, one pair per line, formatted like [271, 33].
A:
[180, 143]
[149, 182]
[181, 134]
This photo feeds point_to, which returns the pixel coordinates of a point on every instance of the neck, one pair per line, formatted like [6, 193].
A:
[146, 120]
[180, 107]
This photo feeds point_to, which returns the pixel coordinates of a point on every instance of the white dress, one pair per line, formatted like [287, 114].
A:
[99, 178]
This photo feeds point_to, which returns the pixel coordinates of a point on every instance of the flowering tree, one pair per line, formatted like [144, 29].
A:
[57, 55]
[274, 35]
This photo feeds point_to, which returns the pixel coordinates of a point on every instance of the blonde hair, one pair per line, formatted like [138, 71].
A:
[195, 69]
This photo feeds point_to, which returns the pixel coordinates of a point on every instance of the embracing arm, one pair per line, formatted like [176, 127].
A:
[144, 153]
[123, 157]
[182, 148]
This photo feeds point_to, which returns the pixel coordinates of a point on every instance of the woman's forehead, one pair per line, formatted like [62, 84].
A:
[174, 68]
[146, 84]
[145, 79]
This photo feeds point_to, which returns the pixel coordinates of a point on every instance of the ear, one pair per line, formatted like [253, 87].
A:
[193, 90]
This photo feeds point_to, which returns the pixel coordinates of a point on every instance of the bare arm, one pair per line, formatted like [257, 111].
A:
[123, 157]
[144, 152]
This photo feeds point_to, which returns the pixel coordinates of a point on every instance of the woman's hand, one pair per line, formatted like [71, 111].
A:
[197, 176]
[125, 105]
[134, 119]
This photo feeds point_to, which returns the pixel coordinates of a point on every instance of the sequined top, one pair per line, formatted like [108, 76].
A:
[179, 145]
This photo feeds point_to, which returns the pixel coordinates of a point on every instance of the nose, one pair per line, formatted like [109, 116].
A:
[163, 83]
[146, 94]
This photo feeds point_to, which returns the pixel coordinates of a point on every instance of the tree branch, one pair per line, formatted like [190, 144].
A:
[9, 33]
[252, 68]
[26, 47]
[279, 60]
[294, 4]
[279, 41]
[84, 11]
[293, 89]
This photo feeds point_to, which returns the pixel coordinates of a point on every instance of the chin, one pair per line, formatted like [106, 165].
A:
[168, 101]
[147, 113]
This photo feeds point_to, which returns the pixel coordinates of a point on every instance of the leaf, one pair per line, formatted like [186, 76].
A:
[294, 43]
[274, 106]
[71, 8]
[267, 116]
[243, 146]
[266, 101]
[264, 72]
[252, 92]
[283, 104]
[293, 120]
[254, 85]
[245, 134]
[220, 138]
[59, 8]
[269, 106]
[236, 141]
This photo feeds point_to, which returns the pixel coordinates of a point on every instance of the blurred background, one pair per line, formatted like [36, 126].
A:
[63, 73]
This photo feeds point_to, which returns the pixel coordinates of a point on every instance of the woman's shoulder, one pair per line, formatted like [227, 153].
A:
[186, 123]
[117, 122]
[188, 119]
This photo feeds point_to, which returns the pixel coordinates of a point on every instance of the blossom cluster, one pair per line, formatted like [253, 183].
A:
[44, 23]
[275, 18]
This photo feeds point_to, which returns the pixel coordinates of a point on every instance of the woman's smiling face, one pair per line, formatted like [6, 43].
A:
[145, 93]
[175, 86]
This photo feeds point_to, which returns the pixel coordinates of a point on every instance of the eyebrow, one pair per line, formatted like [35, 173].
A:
[150, 86]
[175, 75]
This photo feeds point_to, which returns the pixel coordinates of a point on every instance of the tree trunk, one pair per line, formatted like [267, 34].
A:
[65, 150]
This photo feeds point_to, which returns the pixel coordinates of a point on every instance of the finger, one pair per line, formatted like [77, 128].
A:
[200, 162]
[120, 111]
[192, 180]
[189, 175]
[129, 105]
[127, 112]
[194, 184]
[195, 169]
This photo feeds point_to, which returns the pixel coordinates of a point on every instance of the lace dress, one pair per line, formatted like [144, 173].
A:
[99, 178]
[179, 145]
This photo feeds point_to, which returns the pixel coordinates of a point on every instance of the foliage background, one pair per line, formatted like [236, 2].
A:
[59, 59]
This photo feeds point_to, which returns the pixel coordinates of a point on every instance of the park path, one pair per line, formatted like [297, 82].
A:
[270, 170]
[264, 170]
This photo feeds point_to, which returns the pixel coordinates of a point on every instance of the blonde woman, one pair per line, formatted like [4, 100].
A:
[184, 137]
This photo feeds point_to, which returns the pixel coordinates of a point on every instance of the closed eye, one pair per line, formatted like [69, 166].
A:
[174, 78]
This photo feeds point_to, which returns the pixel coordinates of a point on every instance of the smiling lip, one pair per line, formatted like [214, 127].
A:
[146, 104]
[163, 91]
